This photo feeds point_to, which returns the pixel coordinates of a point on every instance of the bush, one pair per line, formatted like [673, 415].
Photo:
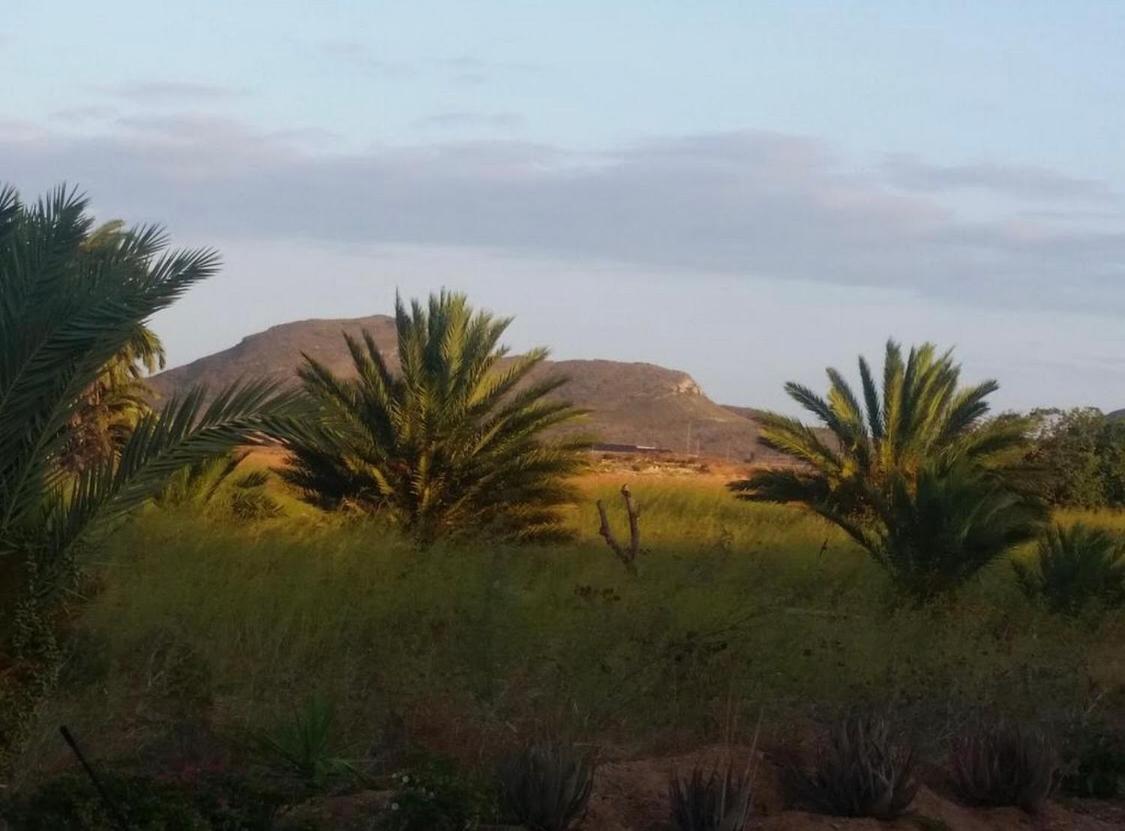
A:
[1074, 567]
[711, 802]
[432, 794]
[859, 771]
[71, 802]
[1096, 767]
[1004, 765]
[547, 786]
[214, 803]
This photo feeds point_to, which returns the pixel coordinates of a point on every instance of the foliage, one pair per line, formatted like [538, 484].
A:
[109, 408]
[433, 794]
[1004, 765]
[303, 745]
[66, 310]
[933, 535]
[915, 474]
[546, 786]
[710, 802]
[245, 498]
[72, 802]
[1073, 567]
[453, 441]
[1096, 766]
[1080, 454]
[860, 770]
[217, 802]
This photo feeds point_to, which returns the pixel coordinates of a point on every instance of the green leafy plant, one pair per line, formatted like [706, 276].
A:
[434, 794]
[711, 801]
[201, 485]
[215, 802]
[1095, 766]
[859, 770]
[452, 441]
[547, 785]
[1004, 765]
[915, 474]
[303, 745]
[1074, 567]
[72, 802]
[67, 309]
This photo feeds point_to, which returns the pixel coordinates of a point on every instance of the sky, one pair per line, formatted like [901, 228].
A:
[749, 192]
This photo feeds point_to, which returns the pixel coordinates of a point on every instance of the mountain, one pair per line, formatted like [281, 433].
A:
[630, 403]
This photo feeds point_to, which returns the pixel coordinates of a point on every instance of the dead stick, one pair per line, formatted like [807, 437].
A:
[634, 524]
[111, 806]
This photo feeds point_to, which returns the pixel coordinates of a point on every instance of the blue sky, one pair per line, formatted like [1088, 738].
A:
[746, 191]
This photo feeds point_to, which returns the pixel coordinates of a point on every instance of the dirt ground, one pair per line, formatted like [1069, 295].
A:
[632, 796]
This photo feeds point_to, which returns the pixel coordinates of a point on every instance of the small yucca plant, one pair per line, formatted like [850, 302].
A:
[1004, 765]
[860, 770]
[1075, 566]
[710, 802]
[303, 744]
[546, 786]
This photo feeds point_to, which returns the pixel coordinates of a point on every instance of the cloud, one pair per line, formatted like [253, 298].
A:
[470, 121]
[1020, 182]
[84, 114]
[462, 69]
[360, 56]
[170, 92]
[746, 203]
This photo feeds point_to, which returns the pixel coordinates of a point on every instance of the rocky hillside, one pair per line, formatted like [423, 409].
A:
[630, 403]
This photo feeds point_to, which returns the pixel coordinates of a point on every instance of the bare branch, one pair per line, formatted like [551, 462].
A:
[627, 556]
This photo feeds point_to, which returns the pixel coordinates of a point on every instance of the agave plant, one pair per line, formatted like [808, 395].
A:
[454, 440]
[859, 771]
[546, 786]
[303, 744]
[65, 311]
[1005, 765]
[711, 801]
[1075, 566]
[915, 474]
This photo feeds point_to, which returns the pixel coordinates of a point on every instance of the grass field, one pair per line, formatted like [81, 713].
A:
[738, 610]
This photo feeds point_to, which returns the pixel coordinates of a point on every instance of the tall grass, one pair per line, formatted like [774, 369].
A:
[737, 607]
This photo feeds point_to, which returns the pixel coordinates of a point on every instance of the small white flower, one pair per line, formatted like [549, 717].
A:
[405, 779]
[394, 806]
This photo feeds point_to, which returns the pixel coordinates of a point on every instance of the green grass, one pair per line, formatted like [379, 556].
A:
[738, 610]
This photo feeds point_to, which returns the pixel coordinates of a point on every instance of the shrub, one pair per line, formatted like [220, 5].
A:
[211, 803]
[1074, 567]
[859, 771]
[1004, 765]
[711, 802]
[71, 802]
[432, 794]
[546, 786]
[1096, 766]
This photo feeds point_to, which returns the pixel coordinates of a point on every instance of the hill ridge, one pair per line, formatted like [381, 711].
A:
[631, 403]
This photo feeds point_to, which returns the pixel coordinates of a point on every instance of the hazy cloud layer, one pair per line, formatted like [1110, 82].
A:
[471, 121]
[462, 69]
[754, 203]
[170, 92]
[1009, 180]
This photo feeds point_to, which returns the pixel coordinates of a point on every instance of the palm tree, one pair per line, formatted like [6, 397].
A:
[453, 441]
[896, 471]
[67, 309]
